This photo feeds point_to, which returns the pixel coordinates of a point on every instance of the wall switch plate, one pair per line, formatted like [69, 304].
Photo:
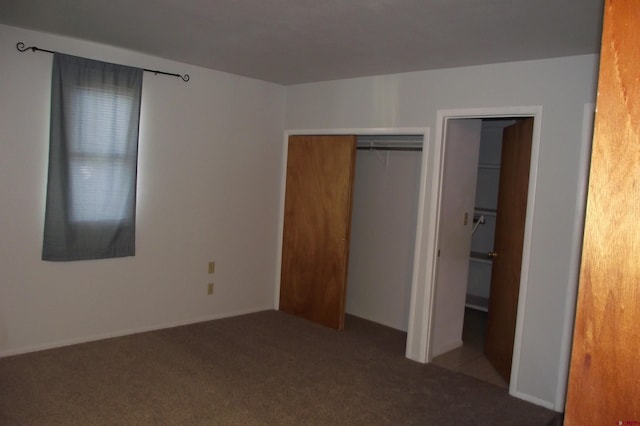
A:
[210, 288]
[212, 267]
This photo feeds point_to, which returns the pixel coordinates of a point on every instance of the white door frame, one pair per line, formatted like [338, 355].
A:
[433, 224]
[588, 113]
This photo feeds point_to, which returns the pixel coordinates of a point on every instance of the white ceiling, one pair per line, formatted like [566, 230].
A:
[297, 41]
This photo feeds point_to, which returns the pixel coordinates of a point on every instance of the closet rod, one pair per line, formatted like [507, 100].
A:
[390, 148]
[22, 48]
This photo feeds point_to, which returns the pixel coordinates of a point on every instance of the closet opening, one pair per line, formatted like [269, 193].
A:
[350, 226]
[383, 228]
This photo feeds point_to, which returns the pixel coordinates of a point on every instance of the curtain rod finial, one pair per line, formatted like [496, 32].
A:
[22, 48]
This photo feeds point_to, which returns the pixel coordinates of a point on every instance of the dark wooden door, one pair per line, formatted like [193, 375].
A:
[604, 377]
[317, 219]
[509, 237]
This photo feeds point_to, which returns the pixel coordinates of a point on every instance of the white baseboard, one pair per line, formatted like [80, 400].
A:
[127, 332]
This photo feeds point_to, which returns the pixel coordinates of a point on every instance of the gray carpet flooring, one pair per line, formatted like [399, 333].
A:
[267, 368]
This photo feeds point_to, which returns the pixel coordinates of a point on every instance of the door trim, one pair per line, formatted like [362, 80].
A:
[588, 114]
[433, 223]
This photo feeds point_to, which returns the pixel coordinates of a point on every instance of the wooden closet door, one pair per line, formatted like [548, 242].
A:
[317, 219]
[513, 190]
[604, 378]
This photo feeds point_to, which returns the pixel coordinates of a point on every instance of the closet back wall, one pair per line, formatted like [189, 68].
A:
[383, 224]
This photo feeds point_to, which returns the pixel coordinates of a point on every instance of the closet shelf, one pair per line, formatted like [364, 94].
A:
[489, 166]
[477, 302]
[486, 211]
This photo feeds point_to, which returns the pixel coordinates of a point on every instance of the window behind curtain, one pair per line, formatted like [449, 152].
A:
[91, 188]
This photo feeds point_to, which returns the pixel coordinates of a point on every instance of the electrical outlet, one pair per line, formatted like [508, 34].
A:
[210, 288]
[212, 267]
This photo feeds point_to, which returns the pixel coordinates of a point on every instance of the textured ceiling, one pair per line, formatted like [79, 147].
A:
[297, 41]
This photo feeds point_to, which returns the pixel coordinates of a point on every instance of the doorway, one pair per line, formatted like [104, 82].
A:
[476, 299]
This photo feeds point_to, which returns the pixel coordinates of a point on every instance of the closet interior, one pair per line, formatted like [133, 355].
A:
[383, 224]
[484, 218]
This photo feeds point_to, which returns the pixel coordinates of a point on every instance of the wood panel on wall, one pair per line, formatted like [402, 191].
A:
[604, 379]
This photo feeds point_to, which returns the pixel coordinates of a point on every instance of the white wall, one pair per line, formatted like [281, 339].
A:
[209, 177]
[561, 86]
[383, 223]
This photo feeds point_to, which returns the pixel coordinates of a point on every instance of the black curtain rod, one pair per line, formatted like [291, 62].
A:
[389, 148]
[22, 48]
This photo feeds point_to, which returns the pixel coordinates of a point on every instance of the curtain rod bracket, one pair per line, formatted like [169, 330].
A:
[22, 48]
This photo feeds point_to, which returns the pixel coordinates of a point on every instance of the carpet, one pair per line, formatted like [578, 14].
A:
[267, 368]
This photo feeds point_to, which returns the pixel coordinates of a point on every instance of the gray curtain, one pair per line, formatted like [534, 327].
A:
[91, 187]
